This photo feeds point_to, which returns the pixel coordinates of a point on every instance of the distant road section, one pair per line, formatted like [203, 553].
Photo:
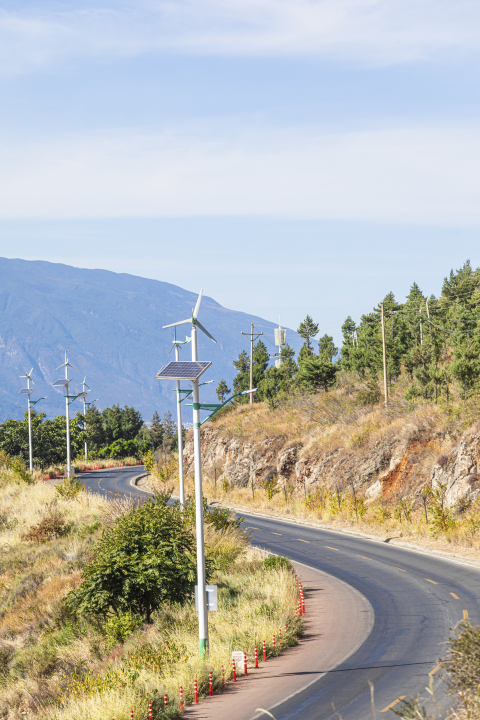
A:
[113, 481]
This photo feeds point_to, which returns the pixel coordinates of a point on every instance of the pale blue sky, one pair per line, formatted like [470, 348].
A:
[289, 156]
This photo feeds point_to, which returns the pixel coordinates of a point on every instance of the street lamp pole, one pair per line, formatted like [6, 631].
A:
[28, 391]
[201, 582]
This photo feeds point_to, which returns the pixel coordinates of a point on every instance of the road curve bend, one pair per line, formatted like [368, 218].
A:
[416, 599]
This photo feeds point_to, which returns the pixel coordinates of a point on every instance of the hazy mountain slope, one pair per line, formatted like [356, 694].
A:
[111, 326]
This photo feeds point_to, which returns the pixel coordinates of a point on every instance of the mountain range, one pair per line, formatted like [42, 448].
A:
[111, 326]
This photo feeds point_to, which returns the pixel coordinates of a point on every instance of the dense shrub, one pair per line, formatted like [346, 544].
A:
[146, 558]
[276, 562]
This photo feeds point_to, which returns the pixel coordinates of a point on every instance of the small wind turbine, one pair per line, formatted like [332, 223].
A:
[83, 395]
[202, 591]
[64, 383]
[28, 391]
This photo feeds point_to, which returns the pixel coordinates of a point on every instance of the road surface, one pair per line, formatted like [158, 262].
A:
[416, 598]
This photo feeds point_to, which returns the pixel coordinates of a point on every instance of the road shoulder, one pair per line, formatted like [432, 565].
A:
[338, 620]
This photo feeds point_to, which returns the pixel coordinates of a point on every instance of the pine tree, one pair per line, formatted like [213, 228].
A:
[156, 431]
[241, 381]
[314, 373]
[222, 391]
[327, 349]
[307, 330]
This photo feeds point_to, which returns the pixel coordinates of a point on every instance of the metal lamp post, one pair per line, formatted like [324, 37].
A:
[176, 344]
[192, 371]
[68, 400]
[28, 391]
[83, 395]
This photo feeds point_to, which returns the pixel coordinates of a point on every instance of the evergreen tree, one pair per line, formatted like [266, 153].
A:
[307, 330]
[156, 431]
[222, 391]
[241, 381]
[314, 374]
[327, 349]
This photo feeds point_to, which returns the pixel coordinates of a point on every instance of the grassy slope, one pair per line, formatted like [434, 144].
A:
[335, 425]
[53, 666]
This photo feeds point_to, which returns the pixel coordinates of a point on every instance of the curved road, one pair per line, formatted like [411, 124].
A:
[416, 599]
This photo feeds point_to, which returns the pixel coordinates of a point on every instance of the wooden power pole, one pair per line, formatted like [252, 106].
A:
[385, 385]
[252, 338]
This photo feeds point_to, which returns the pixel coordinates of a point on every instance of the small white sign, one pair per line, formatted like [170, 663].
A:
[238, 656]
[212, 598]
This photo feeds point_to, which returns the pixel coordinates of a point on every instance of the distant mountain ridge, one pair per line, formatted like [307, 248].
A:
[111, 325]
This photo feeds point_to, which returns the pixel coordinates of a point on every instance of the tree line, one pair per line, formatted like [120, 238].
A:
[115, 432]
[435, 341]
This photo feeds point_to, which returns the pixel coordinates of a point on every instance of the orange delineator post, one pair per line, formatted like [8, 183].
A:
[195, 692]
[234, 671]
[264, 652]
[223, 677]
[245, 670]
[181, 698]
[165, 700]
[256, 657]
[210, 682]
[273, 640]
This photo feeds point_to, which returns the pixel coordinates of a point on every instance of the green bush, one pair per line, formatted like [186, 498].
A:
[69, 487]
[146, 558]
[276, 562]
[119, 627]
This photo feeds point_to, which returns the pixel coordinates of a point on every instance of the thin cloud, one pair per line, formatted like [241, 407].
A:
[412, 175]
[377, 32]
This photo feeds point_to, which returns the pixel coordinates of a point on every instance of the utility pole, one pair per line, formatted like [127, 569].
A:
[385, 386]
[252, 338]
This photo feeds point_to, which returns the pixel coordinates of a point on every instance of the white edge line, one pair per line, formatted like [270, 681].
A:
[362, 536]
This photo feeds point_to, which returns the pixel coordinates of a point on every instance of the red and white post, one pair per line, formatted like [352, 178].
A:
[195, 692]
[234, 671]
[245, 669]
[256, 657]
[210, 683]
[264, 651]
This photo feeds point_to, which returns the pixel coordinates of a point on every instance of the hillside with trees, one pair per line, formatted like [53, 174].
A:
[433, 342]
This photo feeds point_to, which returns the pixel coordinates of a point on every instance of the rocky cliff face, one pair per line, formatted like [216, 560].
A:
[390, 468]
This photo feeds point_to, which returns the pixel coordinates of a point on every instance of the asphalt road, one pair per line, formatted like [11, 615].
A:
[417, 598]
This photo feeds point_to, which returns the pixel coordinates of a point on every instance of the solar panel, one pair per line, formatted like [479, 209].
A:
[82, 395]
[60, 383]
[25, 391]
[180, 370]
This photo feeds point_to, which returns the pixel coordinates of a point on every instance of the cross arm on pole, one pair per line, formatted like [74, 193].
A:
[217, 406]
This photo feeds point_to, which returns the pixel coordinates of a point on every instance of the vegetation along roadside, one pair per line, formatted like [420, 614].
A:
[96, 611]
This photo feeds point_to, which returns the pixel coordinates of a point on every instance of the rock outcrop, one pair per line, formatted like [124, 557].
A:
[390, 468]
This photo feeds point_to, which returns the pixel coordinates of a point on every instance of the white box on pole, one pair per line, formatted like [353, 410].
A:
[212, 597]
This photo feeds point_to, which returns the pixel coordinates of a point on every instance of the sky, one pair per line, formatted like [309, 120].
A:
[288, 156]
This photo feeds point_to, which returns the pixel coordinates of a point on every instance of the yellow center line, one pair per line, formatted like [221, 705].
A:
[455, 596]
[465, 614]
[435, 669]
[300, 540]
[396, 568]
[432, 581]
[393, 703]
[276, 533]
[363, 556]
[330, 548]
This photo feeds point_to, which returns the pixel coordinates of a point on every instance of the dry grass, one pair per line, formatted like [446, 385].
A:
[56, 667]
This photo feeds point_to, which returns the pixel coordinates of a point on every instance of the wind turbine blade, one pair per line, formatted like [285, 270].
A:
[199, 324]
[181, 322]
[197, 306]
[60, 366]
[30, 373]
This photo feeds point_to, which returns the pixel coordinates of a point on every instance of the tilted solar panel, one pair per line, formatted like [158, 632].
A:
[182, 370]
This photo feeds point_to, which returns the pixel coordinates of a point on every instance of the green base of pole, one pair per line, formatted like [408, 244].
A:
[203, 647]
